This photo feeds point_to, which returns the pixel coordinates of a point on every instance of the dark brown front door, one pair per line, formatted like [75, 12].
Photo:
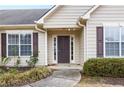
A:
[63, 49]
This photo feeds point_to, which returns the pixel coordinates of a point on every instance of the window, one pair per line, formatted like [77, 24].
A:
[72, 48]
[19, 45]
[55, 48]
[114, 41]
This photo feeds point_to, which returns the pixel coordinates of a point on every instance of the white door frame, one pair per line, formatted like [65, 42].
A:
[55, 61]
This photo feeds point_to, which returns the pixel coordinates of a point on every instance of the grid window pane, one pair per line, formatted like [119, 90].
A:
[13, 39]
[112, 49]
[72, 44]
[13, 50]
[54, 48]
[19, 44]
[25, 50]
[112, 33]
[25, 38]
[122, 48]
[122, 33]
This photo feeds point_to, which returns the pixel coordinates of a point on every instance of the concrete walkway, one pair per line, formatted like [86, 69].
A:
[59, 78]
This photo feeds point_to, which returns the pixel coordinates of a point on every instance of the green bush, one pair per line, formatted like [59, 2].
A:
[13, 70]
[109, 67]
[12, 79]
[32, 62]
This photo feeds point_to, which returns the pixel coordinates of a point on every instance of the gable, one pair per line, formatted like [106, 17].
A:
[108, 13]
[66, 16]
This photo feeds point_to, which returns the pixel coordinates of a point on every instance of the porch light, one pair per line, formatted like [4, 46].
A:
[69, 29]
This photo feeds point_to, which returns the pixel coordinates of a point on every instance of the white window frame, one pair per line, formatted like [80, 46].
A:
[120, 41]
[19, 33]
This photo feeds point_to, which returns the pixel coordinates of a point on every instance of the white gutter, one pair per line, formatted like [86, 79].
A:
[81, 25]
[39, 29]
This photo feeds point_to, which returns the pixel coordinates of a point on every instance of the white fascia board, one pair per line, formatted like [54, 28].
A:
[87, 15]
[41, 20]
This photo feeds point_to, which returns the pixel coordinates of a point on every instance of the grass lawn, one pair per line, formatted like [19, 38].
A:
[87, 81]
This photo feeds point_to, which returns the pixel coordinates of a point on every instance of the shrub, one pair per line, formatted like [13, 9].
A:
[32, 62]
[13, 70]
[5, 60]
[18, 62]
[10, 79]
[2, 71]
[112, 67]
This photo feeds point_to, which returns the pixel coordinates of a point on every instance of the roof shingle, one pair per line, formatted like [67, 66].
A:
[21, 16]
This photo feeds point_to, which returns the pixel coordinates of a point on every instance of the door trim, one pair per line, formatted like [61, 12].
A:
[56, 36]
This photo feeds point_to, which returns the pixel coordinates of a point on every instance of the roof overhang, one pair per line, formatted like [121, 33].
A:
[41, 20]
[17, 26]
[87, 15]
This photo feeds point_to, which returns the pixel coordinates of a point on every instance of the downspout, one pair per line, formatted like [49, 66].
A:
[85, 38]
[46, 61]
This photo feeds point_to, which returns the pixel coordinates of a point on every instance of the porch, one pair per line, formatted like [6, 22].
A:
[65, 46]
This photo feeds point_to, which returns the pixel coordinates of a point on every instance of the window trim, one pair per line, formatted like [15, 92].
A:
[120, 41]
[19, 33]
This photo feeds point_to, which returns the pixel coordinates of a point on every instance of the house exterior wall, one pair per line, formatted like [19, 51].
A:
[65, 16]
[63, 33]
[103, 14]
[41, 48]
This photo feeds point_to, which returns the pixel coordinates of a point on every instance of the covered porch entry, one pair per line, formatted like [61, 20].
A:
[65, 46]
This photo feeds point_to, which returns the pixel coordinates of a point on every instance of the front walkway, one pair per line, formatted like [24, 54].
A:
[59, 78]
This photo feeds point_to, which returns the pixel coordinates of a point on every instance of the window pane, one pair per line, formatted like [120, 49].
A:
[72, 41]
[13, 50]
[122, 49]
[25, 38]
[112, 33]
[112, 49]
[54, 48]
[13, 38]
[25, 50]
[122, 33]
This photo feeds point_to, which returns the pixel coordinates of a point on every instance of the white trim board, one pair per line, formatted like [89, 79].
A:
[56, 36]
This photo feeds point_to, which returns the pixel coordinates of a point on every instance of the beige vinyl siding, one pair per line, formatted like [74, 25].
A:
[63, 33]
[65, 17]
[81, 47]
[41, 48]
[104, 14]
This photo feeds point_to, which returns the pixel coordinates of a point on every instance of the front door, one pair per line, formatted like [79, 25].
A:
[63, 49]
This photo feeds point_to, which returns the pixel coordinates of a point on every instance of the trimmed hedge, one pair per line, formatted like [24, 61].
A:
[12, 79]
[108, 67]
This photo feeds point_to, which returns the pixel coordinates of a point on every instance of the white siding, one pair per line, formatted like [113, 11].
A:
[65, 16]
[81, 46]
[104, 14]
[41, 41]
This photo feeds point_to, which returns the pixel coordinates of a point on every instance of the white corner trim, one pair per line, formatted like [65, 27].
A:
[87, 15]
[41, 20]
[46, 58]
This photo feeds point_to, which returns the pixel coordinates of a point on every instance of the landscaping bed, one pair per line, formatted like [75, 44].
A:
[105, 67]
[102, 72]
[22, 76]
